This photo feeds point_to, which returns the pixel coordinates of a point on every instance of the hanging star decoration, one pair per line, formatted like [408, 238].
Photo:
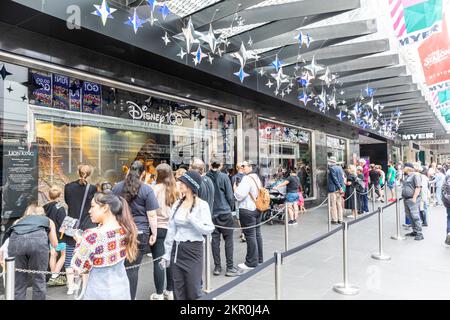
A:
[304, 79]
[332, 101]
[250, 41]
[241, 74]
[280, 78]
[341, 115]
[369, 91]
[277, 63]
[210, 39]
[243, 55]
[103, 11]
[10, 89]
[23, 98]
[303, 40]
[166, 39]
[198, 55]
[188, 34]
[323, 96]
[135, 22]
[261, 72]
[397, 113]
[152, 18]
[164, 10]
[314, 68]
[304, 98]
[269, 84]
[210, 58]
[4, 73]
[288, 90]
[326, 77]
[370, 104]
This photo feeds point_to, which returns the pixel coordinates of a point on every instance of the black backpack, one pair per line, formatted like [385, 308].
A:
[446, 192]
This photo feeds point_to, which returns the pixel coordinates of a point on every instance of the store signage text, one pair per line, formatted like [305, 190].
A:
[418, 136]
[20, 153]
[137, 112]
[442, 141]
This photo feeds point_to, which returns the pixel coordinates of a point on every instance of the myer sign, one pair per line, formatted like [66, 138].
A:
[137, 112]
[418, 136]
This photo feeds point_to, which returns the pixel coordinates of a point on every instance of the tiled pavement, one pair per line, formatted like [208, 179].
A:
[418, 269]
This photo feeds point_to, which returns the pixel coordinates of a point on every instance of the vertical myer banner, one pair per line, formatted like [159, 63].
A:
[415, 20]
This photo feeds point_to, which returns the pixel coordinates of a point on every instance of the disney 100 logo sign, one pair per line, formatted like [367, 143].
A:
[137, 112]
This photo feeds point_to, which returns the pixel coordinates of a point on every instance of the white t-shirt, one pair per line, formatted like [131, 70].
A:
[247, 186]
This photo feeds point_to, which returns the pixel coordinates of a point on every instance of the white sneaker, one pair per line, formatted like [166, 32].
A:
[243, 266]
[70, 291]
[149, 255]
[155, 296]
[168, 295]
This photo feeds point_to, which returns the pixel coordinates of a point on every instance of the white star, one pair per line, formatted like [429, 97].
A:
[166, 39]
[288, 90]
[269, 84]
[210, 39]
[276, 92]
[313, 67]
[261, 72]
[243, 55]
[282, 94]
[326, 77]
[152, 19]
[181, 54]
[103, 11]
[280, 77]
[189, 35]
[210, 58]
[250, 42]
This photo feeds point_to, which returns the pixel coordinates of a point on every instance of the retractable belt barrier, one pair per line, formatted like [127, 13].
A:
[214, 294]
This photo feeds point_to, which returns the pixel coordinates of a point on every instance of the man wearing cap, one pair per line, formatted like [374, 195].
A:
[221, 217]
[335, 190]
[411, 196]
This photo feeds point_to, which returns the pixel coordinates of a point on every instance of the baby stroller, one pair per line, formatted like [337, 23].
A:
[277, 207]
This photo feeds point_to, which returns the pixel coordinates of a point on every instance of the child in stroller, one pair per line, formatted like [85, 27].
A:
[277, 207]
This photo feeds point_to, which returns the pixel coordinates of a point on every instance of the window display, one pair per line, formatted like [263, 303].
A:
[282, 148]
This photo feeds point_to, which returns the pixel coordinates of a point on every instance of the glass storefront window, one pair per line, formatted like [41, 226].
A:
[337, 148]
[282, 148]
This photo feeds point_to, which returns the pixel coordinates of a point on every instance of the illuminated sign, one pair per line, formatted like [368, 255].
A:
[418, 136]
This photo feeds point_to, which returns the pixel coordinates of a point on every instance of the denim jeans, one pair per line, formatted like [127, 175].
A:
[439, 195]
[253, 236]
[448, 219]
[412, 212]
[424, 213]
[133, 274]
[31, 251]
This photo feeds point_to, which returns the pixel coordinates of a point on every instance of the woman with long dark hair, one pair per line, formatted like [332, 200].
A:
[190, 221]
[74, 194]
[143, 205]
[102, 251]
[166, 193]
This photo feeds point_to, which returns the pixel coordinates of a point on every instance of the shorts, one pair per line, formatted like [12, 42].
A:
[60, 247]
[390, 185]
[292, 197]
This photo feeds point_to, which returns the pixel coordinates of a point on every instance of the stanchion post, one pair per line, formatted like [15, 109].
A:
[398, 236]
[329, 212]
[373, 198]
[380, 255]
[345, 288]
[10, 278]
[286, 227]
[385, 190]
[355, 195]
[208, 264]
[278, 263]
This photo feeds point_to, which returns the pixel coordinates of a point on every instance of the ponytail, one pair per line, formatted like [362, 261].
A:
[133, 181]
[127, 223]
[84, 171]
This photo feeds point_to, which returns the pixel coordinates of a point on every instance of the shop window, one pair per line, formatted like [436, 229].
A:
[337, 148]
[281, 149]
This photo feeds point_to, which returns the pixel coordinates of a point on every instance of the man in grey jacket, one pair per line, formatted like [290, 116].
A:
[221, 216]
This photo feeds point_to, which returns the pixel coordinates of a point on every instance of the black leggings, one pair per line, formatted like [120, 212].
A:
[158, 272]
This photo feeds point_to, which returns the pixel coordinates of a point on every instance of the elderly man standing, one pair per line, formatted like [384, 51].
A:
[411, 194]
[364, 196]
[335, 190]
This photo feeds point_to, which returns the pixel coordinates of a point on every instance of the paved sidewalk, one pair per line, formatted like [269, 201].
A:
[418, 269]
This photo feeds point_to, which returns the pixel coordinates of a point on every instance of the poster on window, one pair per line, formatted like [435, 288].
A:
[60, 92]
[75, 95]
[41, 87]
[92, 97]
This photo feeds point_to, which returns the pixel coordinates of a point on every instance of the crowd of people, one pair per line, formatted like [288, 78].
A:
[100, 233]
[422, 187]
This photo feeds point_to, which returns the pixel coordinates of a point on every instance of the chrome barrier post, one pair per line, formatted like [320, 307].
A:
[278, 263]
[380, 255]
[208, 264]
[373, 198]
[286, 227]
[329, 212]
[385, 191]
[355, 194]
[345, 288]
[10, 278]
[398, 236]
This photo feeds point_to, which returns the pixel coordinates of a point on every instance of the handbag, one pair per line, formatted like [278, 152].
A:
[69, 224]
